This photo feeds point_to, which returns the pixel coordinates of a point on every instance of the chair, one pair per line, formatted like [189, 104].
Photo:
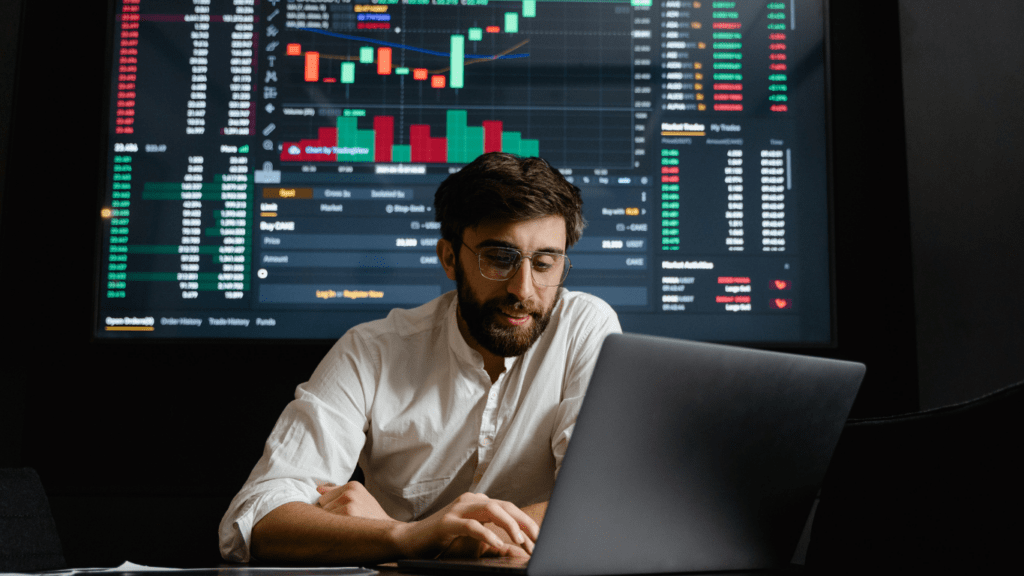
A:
[937, 489]
[28, 535]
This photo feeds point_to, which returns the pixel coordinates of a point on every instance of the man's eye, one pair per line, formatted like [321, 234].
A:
[501, 259]
[543, 262]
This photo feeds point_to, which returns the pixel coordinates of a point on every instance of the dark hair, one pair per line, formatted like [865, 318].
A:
[504, 187]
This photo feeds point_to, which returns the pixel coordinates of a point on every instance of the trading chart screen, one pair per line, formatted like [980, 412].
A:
[272, 164]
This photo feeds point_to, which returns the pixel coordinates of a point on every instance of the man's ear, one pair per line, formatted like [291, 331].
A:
[446, 254]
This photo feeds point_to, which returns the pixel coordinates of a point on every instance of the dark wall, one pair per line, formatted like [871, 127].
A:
[962, 64]
[141, 447]
[11, 398]
[874, 292]
[10, 21]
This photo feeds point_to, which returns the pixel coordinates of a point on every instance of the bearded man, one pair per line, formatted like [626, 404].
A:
[458, 412]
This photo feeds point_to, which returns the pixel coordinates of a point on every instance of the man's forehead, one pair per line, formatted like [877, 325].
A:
[546, 233]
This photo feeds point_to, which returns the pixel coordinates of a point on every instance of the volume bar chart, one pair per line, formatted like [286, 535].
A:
[346, 142]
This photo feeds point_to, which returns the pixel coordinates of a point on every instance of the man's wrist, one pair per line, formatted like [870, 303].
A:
[398, 536]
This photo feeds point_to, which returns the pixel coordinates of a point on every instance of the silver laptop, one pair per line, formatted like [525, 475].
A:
[689, 457]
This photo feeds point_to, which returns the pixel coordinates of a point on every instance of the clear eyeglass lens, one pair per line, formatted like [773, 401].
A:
[501, 264]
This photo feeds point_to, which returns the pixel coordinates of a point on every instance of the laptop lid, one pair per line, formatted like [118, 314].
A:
[688, 457]
[692, 457]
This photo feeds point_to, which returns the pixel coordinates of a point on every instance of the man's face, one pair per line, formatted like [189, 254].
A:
[506, 317]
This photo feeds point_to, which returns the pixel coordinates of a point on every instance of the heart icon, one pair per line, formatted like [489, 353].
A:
[781, 303]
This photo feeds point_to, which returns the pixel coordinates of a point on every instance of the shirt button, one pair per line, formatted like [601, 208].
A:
[485, 442]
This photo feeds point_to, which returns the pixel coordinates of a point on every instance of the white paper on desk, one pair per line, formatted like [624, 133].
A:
[133, 567]
[239, 569]
[126, 567]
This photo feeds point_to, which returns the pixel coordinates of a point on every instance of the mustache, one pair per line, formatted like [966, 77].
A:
[512, 304]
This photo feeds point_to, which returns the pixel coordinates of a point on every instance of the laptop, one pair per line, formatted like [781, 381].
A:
[688, 457]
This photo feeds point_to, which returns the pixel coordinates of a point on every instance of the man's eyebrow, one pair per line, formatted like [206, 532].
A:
[495, 243]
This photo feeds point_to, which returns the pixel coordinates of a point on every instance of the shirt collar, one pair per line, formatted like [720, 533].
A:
[456, 342]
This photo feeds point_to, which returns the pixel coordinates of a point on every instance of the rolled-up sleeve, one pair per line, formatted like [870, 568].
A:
[317, 439]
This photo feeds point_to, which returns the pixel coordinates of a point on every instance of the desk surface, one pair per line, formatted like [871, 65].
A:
[390, 569]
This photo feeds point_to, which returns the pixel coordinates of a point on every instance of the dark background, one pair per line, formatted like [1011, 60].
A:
[141, 446]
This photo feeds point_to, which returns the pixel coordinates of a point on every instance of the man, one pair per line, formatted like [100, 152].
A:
[458, 411]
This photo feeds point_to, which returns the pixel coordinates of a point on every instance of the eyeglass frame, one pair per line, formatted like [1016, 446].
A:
[519, 264]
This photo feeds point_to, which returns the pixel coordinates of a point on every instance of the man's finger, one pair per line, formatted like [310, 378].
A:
[528, 524]
[474, 529]
[326, 487]
[501, 515]
[522, 521]
[517, 552]
[328, 494]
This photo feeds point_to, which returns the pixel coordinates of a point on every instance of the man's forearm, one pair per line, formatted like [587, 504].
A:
[302, 532]
[305, 533]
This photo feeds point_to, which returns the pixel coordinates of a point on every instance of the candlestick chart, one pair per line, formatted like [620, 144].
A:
[401, 83]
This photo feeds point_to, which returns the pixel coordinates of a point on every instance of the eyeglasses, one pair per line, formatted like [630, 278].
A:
[496, 263]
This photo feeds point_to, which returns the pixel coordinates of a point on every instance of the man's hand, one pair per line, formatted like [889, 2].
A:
[352, 499]
[459, 530]
[466, 547]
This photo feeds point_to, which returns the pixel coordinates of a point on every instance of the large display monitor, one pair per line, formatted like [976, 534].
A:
[272, 164]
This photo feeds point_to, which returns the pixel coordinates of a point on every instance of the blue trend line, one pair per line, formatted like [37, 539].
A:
[402, 46]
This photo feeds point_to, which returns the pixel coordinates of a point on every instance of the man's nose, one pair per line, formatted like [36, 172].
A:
[521, 283]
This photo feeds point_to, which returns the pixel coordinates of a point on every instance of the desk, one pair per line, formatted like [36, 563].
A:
[392, 569]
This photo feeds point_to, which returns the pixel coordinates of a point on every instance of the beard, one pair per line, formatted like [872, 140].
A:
[484, 324]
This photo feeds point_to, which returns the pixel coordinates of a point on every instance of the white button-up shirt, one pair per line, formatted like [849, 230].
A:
[409, 400]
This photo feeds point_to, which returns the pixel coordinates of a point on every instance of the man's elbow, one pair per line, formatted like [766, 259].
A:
[269, 537]
[259, 540]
